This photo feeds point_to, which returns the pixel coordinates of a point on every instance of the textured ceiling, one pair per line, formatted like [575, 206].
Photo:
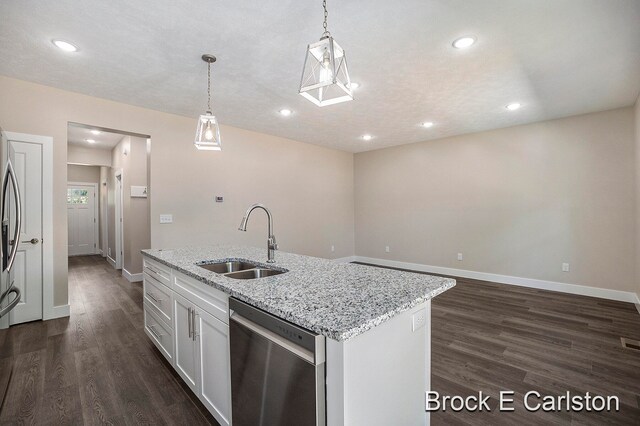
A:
[78, 135]
[557, 58]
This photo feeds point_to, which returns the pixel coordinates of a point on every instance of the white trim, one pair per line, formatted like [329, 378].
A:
[347, 259]
[48, 308]
[111, 261]
[119, 220]
[623, 296]
[60, 311]
[132, 278]
[96, 217]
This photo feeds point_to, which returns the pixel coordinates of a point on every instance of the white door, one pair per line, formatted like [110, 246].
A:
[213, 354]
[185, 347]
[81, 217]
[27, 270]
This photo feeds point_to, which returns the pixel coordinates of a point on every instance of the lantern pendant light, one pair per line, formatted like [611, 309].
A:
[325, 77]
[208, 132]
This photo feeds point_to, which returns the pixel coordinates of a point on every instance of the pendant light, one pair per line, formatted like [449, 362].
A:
[208, 132]
[325, 77]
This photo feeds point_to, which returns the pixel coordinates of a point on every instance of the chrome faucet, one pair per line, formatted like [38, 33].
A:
[272, 246]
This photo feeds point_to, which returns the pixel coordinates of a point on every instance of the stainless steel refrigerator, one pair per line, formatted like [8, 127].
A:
[11, 217]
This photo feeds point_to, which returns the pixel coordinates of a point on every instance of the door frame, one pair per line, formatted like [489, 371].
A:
[49, 310]
[119, 221]
[96, 216]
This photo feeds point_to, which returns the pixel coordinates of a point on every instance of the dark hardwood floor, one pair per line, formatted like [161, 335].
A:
[95, 367]
[490, 337]
[98, 366]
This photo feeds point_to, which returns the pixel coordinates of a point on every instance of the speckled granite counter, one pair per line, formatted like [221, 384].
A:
[337, 300]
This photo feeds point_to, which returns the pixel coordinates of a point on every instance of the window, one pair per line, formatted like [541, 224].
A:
[77, 196]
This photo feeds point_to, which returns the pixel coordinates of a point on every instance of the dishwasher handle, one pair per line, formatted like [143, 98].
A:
[301, 352]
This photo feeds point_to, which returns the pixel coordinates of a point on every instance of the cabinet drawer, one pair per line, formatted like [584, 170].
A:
[204, 296]
[158, 332]
[159, 296]
[156, 270]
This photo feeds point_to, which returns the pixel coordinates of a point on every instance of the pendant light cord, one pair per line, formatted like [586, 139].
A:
[209, 87]
[326, 15]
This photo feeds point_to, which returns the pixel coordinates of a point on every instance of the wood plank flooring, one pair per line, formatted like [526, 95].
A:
[491, 337]
[98, 367]
[95, 367]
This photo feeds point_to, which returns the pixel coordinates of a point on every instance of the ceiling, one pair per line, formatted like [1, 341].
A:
[557, 58]
[78, 135]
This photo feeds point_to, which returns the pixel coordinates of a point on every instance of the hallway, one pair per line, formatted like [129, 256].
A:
[96, 366]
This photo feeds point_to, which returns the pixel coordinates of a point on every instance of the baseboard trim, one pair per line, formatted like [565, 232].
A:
[132, 278]
[54, 312]
[111, 261]
[603, 293]
[347, 259]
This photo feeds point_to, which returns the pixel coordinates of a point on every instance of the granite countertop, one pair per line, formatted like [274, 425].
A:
[337, 300]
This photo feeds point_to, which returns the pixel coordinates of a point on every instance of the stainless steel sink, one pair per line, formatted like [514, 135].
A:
[254, 273]
[239, 269]
[227, 266]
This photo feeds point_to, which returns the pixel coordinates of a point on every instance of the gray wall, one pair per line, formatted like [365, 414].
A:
[89, 174]
[518, 201]
[637, 125]
[130, 155]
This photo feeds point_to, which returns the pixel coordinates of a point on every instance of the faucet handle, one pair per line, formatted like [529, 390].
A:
[272, 243]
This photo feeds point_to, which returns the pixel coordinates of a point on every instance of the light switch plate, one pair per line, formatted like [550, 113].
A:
[166, 218]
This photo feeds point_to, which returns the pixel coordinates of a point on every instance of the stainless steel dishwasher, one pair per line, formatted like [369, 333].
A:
[277, 370]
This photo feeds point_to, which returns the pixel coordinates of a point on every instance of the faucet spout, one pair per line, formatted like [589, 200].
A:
[272, 246]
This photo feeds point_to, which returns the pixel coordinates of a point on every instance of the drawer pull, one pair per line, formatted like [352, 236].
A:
[154, 332]
[153, 297]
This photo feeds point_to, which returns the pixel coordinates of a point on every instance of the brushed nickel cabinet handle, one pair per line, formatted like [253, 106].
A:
[189, 320]
[154, 332]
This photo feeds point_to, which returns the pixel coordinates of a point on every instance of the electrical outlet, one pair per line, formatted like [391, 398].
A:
[386, 249]
[333, 248]
[166, 218]
[418, 320]
[565, 267]
[219, 199]
[109, 250]
[459, 256]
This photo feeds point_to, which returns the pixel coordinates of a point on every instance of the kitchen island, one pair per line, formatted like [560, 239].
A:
[376, 324]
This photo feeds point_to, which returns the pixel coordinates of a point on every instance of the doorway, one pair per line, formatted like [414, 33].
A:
[82, 217]
[114, 165]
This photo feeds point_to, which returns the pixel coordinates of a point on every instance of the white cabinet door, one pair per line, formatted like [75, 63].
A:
[215, 377]
[186, 361]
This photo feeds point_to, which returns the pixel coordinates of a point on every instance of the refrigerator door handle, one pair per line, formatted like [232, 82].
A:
[10, 175]
[13, 303]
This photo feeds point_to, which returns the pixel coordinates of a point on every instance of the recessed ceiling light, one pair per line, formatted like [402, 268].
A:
[427, 124]
[96, 132]
[354, 85]
[286, 112]
[513, 106]
[464, 42]
[90, 140]
[367, 137]
[64, 45]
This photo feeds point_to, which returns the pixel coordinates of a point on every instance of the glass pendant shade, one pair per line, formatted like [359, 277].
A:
[208, 133]
[325, 77]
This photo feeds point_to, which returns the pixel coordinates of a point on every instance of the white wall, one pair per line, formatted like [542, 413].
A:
[309, 188]
[518, 201]
[88, 156]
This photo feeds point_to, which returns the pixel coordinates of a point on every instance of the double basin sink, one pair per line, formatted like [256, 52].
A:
[239, 269]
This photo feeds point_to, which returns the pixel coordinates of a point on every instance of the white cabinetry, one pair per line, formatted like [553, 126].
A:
[185, 343]
[215, 379]
[189, 323]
